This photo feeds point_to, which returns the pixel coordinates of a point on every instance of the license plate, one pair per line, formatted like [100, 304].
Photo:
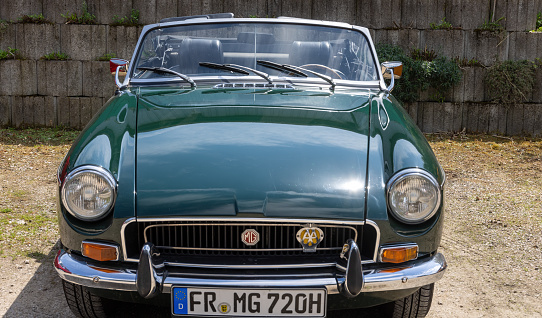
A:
[210, 302]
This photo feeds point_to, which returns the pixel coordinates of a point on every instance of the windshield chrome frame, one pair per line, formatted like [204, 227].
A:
[281, 20]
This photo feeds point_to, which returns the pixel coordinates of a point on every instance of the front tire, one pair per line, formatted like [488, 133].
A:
[82, 302]
[416, 305]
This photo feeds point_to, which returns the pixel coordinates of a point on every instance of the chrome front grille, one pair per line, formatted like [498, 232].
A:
[201, 240]
[224, 238]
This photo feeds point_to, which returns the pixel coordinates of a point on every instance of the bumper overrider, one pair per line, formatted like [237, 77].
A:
[152, 276]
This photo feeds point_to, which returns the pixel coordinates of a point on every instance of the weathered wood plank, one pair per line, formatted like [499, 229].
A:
[5, 111]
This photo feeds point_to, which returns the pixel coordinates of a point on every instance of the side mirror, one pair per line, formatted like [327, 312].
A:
[114, 63]
[118, 67]
[392, 70]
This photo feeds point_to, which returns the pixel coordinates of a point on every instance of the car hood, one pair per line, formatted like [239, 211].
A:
[252, 153]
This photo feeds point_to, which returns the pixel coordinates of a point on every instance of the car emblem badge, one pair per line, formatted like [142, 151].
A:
[250, 237]
[310, 237]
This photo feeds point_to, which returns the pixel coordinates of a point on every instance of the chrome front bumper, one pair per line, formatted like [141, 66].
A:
[77, 270]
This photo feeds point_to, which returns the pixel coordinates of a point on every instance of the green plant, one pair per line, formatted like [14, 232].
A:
[58, 56]
[8, 54]
[423, 55]
[6, 210]
[132, 20]
[538, 27]
[413, 79]
[442, 74]
[85, 17]
[37, 136]
[492, 26]
[106, 57]
[466, 62]
[34, 18]
[3, 25]
[511, 82]
[419, 74]
[443, 25]
[19, 193]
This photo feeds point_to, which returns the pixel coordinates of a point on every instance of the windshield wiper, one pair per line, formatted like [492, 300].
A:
[238, 69]
[301, 70]
[168, 71]
[282, 67]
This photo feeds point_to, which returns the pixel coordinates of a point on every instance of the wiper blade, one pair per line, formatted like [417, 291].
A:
[238, 69]
[320, 75]
[168, 71]
[225, 67]
[282, 67]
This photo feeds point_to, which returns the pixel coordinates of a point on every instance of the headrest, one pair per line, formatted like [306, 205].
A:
[193, 51]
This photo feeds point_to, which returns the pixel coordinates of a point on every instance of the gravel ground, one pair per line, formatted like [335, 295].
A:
[492, 237]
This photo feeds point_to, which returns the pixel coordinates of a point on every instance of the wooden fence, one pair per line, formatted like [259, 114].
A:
[36, 92]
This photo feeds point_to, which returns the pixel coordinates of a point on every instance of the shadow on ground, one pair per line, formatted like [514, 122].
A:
[43, 297]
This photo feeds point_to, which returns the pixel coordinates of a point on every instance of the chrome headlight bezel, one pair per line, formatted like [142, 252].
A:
[405, 174]
[99, 172]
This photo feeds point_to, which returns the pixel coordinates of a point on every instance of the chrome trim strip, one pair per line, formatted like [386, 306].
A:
[289, 20]
[252, 220]
[60, 168]
[329, 283]
[443, 178]
[377, 239]
[259, 220]
[246, 249]
[411, 275]
[122, 236]
[284, 266]
[116, 246]
[255, 276]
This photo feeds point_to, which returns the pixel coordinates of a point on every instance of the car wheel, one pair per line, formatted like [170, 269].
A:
[82, 302]
[416, 305]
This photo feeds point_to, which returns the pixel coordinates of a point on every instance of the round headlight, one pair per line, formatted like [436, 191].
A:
[89, 192]
[413, 196]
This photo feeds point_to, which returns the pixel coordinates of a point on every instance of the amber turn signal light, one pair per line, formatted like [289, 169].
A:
[100, 251]
[398, 254]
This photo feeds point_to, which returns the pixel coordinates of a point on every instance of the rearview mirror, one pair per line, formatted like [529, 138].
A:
[118, 67]
[114, 63]
[396, 66]
[392, 70]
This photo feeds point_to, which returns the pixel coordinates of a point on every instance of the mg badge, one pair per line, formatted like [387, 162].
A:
[250, 237]
[310, 237]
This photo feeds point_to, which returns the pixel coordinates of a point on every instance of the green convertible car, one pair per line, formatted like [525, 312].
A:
[252, 167]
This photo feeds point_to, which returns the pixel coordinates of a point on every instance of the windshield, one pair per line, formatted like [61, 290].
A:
[340, 54]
